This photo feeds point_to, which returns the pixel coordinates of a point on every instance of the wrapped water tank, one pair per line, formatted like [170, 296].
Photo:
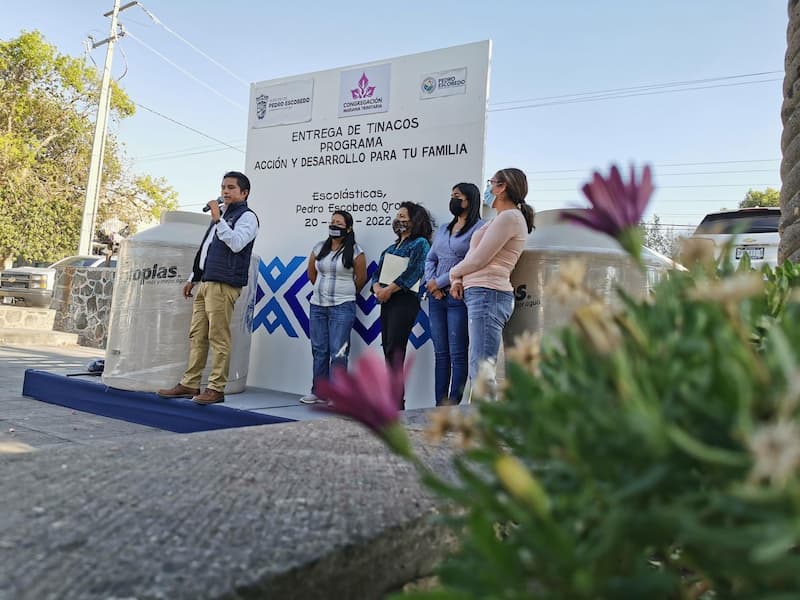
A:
[608, 267]
[148, 340]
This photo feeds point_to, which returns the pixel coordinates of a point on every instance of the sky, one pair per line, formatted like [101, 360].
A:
[708, 145]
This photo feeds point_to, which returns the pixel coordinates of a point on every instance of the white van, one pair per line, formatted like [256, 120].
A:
[751, 231]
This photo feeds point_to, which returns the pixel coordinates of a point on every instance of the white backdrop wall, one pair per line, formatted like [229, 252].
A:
[363, 138]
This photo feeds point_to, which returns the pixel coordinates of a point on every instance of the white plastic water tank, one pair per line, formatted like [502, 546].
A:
[148, 339]
[608, 267]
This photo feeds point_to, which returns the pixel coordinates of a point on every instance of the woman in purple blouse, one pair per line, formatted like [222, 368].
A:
[448, 316]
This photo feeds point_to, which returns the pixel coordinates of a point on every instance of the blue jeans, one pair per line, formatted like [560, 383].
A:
[329, 329]
[448, 318]
[488, 311]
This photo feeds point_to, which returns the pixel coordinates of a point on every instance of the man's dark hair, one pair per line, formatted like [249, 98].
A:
[241, 179]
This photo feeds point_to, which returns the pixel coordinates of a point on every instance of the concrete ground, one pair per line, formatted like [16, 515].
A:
[308, 510]
[43, 425]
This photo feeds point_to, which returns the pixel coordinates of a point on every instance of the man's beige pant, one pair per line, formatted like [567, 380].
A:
[211, 325]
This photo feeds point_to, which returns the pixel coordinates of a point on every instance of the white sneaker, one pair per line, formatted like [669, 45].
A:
[310, 399]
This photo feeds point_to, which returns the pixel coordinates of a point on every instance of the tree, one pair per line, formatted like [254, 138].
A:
[47, 104]
[790, 141]
[753, 198]
[659, 237]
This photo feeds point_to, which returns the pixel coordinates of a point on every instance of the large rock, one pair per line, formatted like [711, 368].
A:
[315, 509]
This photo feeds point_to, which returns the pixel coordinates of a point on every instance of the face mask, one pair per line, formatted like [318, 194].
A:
[488, 196]
[398, 227]
[455, 206]
[336, 232]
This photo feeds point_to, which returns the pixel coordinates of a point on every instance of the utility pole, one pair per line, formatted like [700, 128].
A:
[100, 127]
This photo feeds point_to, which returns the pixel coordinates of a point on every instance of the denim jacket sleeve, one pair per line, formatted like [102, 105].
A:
[417, 252]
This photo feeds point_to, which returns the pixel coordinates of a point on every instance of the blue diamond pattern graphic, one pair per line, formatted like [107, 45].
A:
[272, 316]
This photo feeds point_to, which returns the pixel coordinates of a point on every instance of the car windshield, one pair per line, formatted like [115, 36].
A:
[76, 261]
[741, 222]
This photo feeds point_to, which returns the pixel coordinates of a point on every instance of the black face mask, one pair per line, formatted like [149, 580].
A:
[336, 232]
[455, 207]
[398, 227]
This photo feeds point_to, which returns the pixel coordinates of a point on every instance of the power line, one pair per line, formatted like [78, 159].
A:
[189, 127]
[185, 72]
[639, 87]
[631, 95]
[673, 187]
[684, 174]
[209, 149]
[684, 164]
[178, 156]
[159, 22]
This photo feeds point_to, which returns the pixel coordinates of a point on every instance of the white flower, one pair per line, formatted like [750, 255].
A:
[776, 452]
[485, 384]
[598, 327]
[731, 289]
[568, 286]
[526, 352]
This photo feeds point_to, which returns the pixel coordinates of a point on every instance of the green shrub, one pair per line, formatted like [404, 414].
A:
[665, 462]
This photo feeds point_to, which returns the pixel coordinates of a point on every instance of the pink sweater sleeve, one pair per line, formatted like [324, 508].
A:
[500, 230]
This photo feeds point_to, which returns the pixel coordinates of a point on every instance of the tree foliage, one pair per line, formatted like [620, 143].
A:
[767, 197]
[660, 237]
[47, 106]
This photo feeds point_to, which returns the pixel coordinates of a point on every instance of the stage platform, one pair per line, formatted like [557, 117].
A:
[254, 406]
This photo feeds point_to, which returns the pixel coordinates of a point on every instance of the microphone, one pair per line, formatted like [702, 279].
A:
[207, 208]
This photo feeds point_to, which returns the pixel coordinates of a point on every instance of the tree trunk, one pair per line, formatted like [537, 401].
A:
[790, 141]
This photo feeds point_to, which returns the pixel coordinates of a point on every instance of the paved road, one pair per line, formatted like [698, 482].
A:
[43, 425]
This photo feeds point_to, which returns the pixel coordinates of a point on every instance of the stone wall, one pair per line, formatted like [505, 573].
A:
[82, 301]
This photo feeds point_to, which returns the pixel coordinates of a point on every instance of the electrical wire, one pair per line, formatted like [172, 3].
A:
[639, 87]
[190, 151]
[189, 127]
[660, 175]
[187, 73]
[674, 187]
[184, 155]
[159, 22]
[659, 165]
[632, 95]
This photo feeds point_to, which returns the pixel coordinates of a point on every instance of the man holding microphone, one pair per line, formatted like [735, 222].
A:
[219, 273]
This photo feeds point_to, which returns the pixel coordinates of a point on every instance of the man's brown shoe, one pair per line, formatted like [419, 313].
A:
[179, 391]
[209, 396]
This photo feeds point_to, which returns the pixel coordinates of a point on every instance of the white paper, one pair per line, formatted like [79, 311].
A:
[393, 267]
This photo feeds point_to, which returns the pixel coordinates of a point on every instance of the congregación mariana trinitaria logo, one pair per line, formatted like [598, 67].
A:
[364, 91]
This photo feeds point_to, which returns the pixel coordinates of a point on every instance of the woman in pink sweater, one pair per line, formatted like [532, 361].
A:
[483, 278]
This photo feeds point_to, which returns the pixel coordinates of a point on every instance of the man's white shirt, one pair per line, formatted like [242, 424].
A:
[245, 232]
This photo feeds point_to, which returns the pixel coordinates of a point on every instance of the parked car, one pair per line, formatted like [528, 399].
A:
[33, 286]
[751, 231]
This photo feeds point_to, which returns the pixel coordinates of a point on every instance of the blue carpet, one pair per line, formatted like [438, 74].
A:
[171, 414]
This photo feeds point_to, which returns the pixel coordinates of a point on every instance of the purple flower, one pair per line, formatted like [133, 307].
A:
[617, 207]
[370, 394]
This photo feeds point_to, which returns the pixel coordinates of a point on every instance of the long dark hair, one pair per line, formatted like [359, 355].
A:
[517, 189]
[348, 243]
[419, 220]
[473, 196]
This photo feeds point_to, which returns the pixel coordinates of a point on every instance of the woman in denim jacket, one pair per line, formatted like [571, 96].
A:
[399, 298]
[448, 315]
[483, 278]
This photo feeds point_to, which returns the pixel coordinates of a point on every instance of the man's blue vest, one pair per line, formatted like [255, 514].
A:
[224, 265]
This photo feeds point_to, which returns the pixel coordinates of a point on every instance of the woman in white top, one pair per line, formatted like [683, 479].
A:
[337, 268]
